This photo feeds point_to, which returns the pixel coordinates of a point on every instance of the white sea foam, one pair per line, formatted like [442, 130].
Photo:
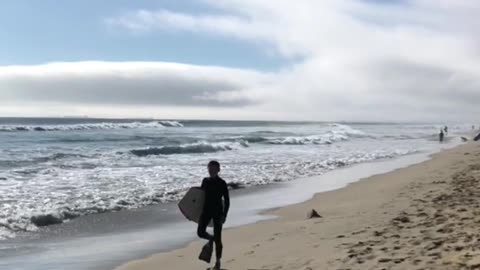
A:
[91, 126]
[337, 133]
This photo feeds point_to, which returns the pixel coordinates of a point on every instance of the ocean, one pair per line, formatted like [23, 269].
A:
[55, 170]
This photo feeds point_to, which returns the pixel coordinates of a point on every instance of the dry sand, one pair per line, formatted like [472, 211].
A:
[425, 216]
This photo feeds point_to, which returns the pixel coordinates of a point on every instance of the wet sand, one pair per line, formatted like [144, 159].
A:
[420, 217]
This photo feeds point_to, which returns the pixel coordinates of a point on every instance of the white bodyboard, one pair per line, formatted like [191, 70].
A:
[191, 205]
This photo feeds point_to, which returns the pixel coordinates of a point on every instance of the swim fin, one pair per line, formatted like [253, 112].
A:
[206, 253]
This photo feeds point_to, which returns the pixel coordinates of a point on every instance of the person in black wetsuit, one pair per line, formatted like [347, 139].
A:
[217, 204]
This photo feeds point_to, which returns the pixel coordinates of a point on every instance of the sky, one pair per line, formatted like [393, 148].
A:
[329, 60]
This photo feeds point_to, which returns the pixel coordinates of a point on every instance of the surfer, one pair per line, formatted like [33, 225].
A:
[217, 204]
[441, 135]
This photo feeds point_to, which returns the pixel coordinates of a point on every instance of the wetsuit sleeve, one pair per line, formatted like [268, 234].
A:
[203, 184]
[226, 198]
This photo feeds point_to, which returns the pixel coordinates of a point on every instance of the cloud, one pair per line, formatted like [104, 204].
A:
[397, 60]
[127, 83]
[411, 60]
[146, 21]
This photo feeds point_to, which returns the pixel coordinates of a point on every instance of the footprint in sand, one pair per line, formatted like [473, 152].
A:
[417, 261]
[358, 232]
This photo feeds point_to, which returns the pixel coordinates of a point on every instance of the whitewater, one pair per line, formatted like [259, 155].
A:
[54, 170]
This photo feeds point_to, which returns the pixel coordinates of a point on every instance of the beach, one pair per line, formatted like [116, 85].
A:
[69, 184]
[420, 217]
[345, 134]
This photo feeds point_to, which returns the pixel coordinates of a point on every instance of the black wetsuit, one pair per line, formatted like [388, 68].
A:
[214, 208]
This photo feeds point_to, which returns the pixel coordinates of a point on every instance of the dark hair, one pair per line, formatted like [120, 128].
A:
[214, 163]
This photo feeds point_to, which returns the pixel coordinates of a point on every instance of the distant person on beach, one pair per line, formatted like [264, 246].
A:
[445, 129]
[441, 135]
[217, 204]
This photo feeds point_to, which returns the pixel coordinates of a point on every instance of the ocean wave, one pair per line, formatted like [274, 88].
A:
[17, 219]
[419, 136]
[193, 148]
[248, 139]
[347, 130]
[300, 140]
[335, 135]
[58, 156]
[90, 126]
[254, 139]
[14, 163]
[169, 123]
[308, 168]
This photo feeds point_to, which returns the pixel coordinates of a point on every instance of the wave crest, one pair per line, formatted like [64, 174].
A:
[168, 123]
[194, 148]
[336, 134]
[90, 126]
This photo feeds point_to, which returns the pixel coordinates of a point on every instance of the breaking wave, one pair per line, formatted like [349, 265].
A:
[337, 133]
[171, 123]
[193, 148]
[90, 126]
[299, 140]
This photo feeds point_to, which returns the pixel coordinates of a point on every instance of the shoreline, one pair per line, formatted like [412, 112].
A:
[121, 237]
[128, 235]
[185, 258]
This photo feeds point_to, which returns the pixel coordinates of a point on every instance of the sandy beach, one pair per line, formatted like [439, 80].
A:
[355, 110]
[420, 217]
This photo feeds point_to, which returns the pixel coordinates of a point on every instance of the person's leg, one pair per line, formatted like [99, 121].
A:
[206, 253]
[217, 235]
[202, 227]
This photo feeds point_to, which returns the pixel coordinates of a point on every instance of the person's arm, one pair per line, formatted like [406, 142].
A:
[226, 198]
[203, 184]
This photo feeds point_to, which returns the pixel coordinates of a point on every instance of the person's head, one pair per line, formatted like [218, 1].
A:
[213, 168]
